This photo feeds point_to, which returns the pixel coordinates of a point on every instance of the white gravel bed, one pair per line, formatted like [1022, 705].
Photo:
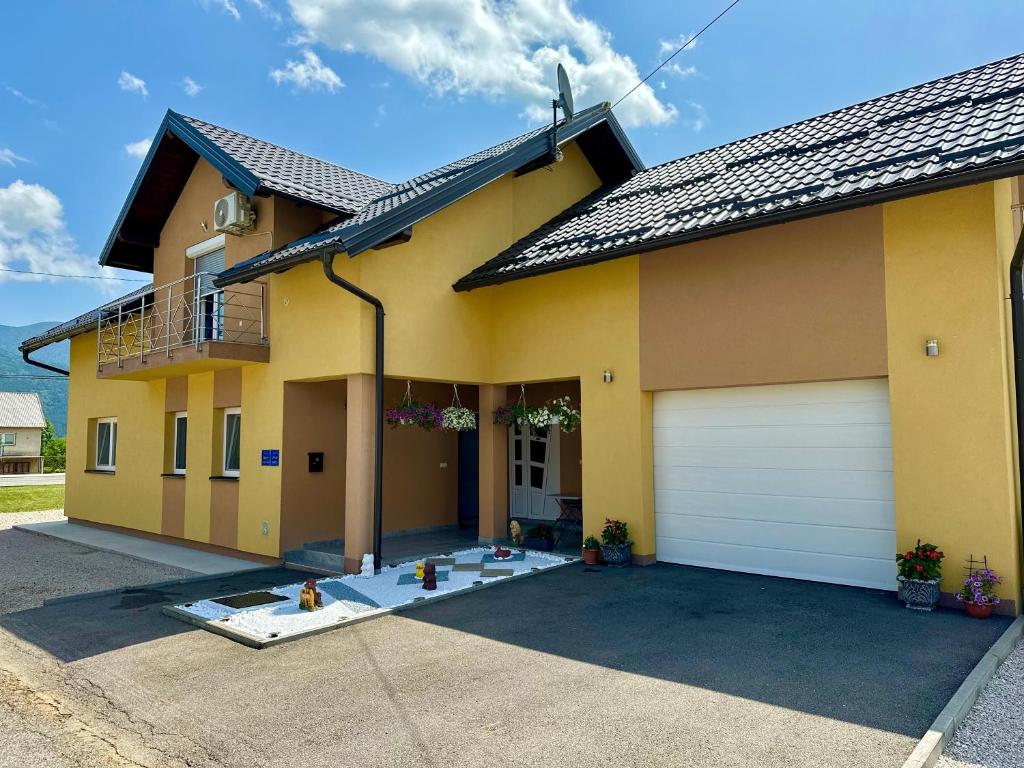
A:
[11, 519]
[356, 595]
[992, 734]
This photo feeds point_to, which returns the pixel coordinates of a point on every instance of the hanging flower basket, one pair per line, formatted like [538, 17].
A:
[558, 412]
[412, 413]
[456, 418]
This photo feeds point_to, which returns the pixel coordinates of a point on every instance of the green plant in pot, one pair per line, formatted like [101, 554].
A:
[591, 550]
[920, 573]
[540, 537]
[616, 548]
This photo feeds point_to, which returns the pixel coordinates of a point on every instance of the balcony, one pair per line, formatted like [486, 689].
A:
[183, 327]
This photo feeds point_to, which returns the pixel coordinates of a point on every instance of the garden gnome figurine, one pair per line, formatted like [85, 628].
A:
[419, 569]
[430, 576]
[309, 596]
[516, 531]
[366, 569]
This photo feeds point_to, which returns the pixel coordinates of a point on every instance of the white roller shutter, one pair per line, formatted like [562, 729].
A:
[788, 480]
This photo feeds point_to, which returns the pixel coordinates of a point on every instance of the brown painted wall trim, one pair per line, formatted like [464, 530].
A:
[198, 545]
[803, 301]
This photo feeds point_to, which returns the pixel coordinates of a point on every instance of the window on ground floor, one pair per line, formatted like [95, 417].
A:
[180, 442]
[106, 444]
[232, 441]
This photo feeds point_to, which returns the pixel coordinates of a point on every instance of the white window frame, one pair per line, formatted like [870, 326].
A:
[112, 466]
[4, 436]
[174, 456]
[224, 454]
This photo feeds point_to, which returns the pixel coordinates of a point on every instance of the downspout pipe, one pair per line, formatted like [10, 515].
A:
[25, 356]
[378, 376]
[1017, 316]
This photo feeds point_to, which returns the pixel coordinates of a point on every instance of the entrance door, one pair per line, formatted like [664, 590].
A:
[533, 472]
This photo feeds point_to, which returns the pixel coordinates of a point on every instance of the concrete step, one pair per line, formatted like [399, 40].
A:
[324, 561]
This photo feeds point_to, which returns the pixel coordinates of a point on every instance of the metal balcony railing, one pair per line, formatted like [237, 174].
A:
[189, 312]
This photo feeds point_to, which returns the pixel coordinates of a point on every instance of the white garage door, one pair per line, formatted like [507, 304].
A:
[789, 480]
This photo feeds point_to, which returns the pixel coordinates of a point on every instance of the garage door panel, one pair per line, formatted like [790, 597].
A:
[860, 390]
[834, 569]
[799, 436]
[823, 539]
[869, 412]
[846, 457]
[818, 483]
[791, 480]
[842, 513]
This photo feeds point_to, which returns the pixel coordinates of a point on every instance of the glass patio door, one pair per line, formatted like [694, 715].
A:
[533, 472]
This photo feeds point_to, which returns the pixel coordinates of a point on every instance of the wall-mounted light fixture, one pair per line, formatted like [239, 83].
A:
[931, 347]
[608, 377]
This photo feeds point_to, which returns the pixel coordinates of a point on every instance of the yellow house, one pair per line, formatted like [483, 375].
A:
[793, 354]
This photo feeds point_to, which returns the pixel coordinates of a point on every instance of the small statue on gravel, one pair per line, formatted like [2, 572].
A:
[310, 598]
[502, 553]
[430, 576]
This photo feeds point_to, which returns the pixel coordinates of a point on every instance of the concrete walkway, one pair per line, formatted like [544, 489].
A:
[141, 548]
[52, 478]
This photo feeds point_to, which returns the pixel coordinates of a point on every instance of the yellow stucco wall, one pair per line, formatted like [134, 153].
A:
[131, 496]
[945, 262]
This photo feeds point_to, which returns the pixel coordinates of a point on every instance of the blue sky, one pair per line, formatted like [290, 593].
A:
[393, 90]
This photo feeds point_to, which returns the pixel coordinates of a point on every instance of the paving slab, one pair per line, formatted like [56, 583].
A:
[189, 559]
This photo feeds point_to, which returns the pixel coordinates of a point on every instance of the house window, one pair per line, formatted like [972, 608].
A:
[232, 439]
[180, 442]
[8, 438]
[106, 444]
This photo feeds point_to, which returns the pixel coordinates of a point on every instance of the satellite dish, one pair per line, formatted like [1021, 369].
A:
[564, 94]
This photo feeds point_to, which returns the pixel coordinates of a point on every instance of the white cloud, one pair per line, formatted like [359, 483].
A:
[129, 82]
[230, 7]
[8, 157]
[33, 236]
[308, 74]
[19, 95]
[191, 86]
[696, 117]
[667, 47]
[138, 148]
[502, 49]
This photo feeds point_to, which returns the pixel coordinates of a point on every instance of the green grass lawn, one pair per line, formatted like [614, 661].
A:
[31, 498]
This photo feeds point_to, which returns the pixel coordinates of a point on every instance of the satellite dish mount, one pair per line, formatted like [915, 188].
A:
[563, 102]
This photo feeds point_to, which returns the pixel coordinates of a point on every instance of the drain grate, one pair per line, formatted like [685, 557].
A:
[249, 599]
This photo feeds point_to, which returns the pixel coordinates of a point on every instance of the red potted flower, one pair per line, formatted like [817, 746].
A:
[978, 593]
[920, 573]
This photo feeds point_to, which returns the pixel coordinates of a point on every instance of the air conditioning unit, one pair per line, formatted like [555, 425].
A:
[233, 214]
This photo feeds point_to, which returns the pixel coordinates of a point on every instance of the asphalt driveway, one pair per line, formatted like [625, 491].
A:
[654, 666]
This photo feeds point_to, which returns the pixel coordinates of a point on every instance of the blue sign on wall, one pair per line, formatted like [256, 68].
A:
[271, 457]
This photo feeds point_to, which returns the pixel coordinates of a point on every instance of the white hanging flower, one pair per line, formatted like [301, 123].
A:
[458, 419]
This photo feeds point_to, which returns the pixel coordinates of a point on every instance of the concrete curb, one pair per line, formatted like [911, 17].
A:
[952, 715]
[245, 638]
[154, 585]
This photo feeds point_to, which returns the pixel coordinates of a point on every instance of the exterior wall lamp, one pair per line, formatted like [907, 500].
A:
[608, 377]
[931, 347]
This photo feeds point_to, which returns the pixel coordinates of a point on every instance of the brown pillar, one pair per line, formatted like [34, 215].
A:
[493, 467]
[359, 471]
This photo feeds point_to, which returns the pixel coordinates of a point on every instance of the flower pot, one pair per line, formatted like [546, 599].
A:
[617, 555]
[591, 556]
[919, 595]
[541, 545]
[976, 611]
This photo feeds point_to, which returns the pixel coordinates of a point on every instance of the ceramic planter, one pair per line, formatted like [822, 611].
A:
[617, 555]
[591, 556]
[976, 611]
[919, 595]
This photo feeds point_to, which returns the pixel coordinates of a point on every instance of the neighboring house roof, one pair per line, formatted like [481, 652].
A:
[80, 324]
[960, 129]
[21, 410]
[392, 213]
[253, 166]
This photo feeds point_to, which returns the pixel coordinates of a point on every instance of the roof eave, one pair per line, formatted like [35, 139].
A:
[935, 184]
